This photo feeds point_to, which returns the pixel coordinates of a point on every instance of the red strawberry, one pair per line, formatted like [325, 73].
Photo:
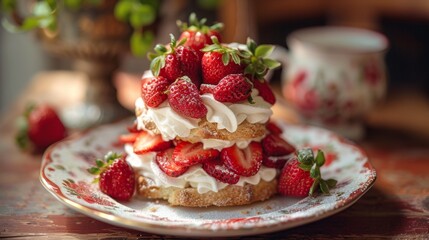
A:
[188, 154]
[175, 61]
[40, 127]
[216, 169]
[219, 61]
[128, 138]
[207, 88]
[153, 91]
[274, 145]
[300, 176]
[117, 178]
[275, 161]
[244, 162]
[274, 128]
[145, 142]
[197, 34]
[232, 88]
[264, 90]
[185, 98]
[167, 165]
[133, 128]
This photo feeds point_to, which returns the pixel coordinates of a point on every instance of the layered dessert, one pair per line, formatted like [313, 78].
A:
[202, 134]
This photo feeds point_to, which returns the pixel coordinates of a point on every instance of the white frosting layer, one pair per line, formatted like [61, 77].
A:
[226, 115]
[195, 177]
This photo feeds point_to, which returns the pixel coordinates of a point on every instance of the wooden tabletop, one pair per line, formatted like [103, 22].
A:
[397, 206]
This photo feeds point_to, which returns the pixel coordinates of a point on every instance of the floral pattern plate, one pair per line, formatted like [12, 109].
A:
[63, 174]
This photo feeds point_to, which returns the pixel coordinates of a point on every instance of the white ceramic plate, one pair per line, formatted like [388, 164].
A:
[63, 174]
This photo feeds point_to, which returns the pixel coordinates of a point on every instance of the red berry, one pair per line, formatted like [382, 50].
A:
[232, 88]
[153, 91]
[188, 154]
[294, 181]
[185, 99]
[128, 138]
[172, 68]
[167, 165]
[189, 63]
[133, 128]
[274, 145]
[244, 162]
[118, 180]
[275, 161]
[145, 142]
[43, 127]
[264, 90]
[207, 88]
[216, 169]
[274, 128]
[214, 70]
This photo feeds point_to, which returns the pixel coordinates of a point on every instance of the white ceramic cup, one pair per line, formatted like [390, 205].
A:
[332, 76]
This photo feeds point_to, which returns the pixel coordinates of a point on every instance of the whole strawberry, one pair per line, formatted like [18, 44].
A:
[301, 177]
[185, 99]
[116, 176]
[198, 34]
[40, 126]
[175, 61]
[257, 63]
[232, 88]
[153, 90]
[219, 61]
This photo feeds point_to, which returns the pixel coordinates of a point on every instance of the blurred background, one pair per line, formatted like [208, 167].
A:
[404, 22]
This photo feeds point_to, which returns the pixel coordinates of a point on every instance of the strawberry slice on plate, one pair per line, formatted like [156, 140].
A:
[188, 154]
[146, 142]
[164, 159]
[216, 169]
[244, 162]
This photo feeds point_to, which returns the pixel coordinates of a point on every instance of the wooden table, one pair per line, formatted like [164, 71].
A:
[397, 206]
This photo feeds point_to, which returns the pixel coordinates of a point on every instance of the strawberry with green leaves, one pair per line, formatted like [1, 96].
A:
[175, 61]
[301, 176]
[39, 127]
[198, 34]
[219, 61]
[257, 63]
[116, 177]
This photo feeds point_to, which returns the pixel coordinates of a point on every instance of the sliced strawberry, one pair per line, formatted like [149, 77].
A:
[166, 164]
[146, 142]
[153, 91]
[128, 138]
[275, 161]
[185, 99]
[264, 90]
[188, 154]
[232, 88]
[273, 128]
[216, 169]
[133, 128]
[274, 145]
[207, 88]
[244, 162]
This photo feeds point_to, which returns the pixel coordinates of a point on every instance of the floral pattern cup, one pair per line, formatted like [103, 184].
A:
[334, 76]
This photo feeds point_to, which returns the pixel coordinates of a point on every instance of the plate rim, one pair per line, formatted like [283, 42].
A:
[195, 231]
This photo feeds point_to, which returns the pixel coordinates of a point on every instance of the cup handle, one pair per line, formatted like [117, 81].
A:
[280, 54]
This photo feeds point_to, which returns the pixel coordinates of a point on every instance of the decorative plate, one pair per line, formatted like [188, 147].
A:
[63, 174]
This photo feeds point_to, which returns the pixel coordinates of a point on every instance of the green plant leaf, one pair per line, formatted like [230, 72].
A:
[264, 50]
[313, 187]
[8, 5]
[73, 4]
[324, 187]
[314, 172]
[271, 64]
[156, 65]
[99, 162]
[305, 156]
[123, 10]
[331, 183]
[94, 170]
[320, 158]
[225, 58]
[235, 58]
[305, 167]
[142, 15]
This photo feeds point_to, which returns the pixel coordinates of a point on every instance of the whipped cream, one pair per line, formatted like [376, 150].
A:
[226, 115]
[195, 177]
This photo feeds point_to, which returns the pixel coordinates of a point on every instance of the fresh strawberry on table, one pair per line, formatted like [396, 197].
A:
[301, 176]
[188, 154]
[175, 61]
[219, 61]
[39, 127]
[198, 34]
[257, 63]
[232, 88]
[244, 162]
[116, 177]
[184, 98]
